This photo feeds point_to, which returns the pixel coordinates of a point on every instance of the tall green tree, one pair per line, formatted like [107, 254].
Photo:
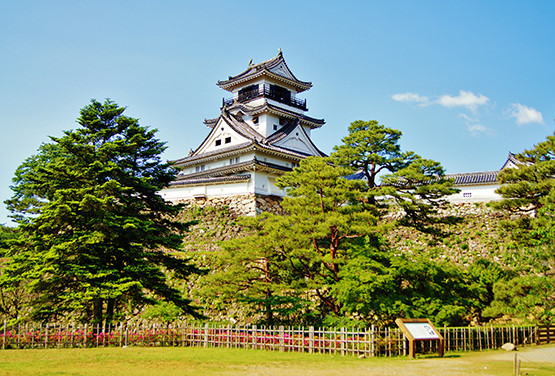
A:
[371, 148]
[414, 185]
[528, 190]
[96, 238]
[290, 262]
[251, 274]
[529, 193]
[326, 214]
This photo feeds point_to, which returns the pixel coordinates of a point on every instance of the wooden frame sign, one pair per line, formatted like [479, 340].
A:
[420, 330]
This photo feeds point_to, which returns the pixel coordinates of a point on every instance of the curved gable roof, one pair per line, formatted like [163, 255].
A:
[275, 68]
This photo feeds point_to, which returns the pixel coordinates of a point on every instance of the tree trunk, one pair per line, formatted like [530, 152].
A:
[97, 310]
[110, 310]
[269, 310]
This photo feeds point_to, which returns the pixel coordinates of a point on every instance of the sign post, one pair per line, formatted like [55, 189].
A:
[420, 330]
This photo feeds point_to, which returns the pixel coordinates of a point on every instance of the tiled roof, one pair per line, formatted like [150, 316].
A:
[211, 180]
[356, 176]
[229, 171]
[274, 68]
[239, 126]
[256, 140]
[267, 107]
[471, 178]
[219, 153]
[281, 133]
[511, 162]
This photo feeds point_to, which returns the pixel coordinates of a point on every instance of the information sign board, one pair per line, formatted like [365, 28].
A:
[420, 330]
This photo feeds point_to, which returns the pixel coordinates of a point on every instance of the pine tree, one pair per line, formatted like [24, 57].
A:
[96, 238]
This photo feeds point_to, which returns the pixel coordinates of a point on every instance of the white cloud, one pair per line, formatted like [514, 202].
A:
[410, 97]
[473, 126]
[476, 128]
[524, 114]
[464, 99]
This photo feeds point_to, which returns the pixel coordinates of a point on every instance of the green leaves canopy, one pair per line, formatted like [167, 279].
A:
[95, 235]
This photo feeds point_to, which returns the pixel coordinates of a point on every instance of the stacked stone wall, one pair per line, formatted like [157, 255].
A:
[239, 205]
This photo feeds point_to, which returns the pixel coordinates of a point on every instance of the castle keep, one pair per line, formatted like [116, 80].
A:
[261, 133]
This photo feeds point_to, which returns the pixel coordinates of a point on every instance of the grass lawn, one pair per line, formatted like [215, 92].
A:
[198, 361]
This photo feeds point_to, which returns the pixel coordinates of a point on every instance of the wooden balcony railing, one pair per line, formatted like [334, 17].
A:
[282, 96]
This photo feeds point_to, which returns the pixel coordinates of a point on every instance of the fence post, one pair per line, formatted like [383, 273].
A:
[206, 335]
[372, 341]
[281, 339]
[46, 336]
[4, 337]
[311, 340]
[253, 338]
[343, 340]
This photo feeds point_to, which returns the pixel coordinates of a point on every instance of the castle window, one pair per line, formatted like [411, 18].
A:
[218, 142]
[234, 160]
[255, 120]
[279, 93]
[248, 93]
[200, 168]
[227, 140]
[275, 127]
[467, 194]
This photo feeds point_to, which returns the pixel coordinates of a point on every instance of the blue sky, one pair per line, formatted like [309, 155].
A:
[465, 81]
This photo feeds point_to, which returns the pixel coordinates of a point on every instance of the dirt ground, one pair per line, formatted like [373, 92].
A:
[534, 360]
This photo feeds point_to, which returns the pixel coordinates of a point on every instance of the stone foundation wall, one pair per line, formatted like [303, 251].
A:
[240, 205]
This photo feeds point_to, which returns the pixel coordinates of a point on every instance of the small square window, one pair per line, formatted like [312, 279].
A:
[227, 140]
[218, 142]
[275, 127]
[467, 194]
[255, 119]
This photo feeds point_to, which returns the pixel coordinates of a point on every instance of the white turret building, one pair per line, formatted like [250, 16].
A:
[261, 133]
[479, 186]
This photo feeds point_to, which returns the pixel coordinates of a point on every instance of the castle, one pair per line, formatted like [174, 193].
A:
[261, 133]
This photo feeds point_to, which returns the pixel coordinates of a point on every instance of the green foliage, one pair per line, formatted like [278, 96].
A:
[7, 234]
[251, 272]
[93, 230]
[371, 148]
[380, 286]
[284, 269]
[164, 312]
[530, 298]
[413, 185]
[307, 261]
[418, 189]
[529, 190]
[528, 185]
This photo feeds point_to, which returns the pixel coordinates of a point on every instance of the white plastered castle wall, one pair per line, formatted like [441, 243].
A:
[475, 193]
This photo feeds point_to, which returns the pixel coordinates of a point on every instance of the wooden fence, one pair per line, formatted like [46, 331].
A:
[545, 334]
[368, 342]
